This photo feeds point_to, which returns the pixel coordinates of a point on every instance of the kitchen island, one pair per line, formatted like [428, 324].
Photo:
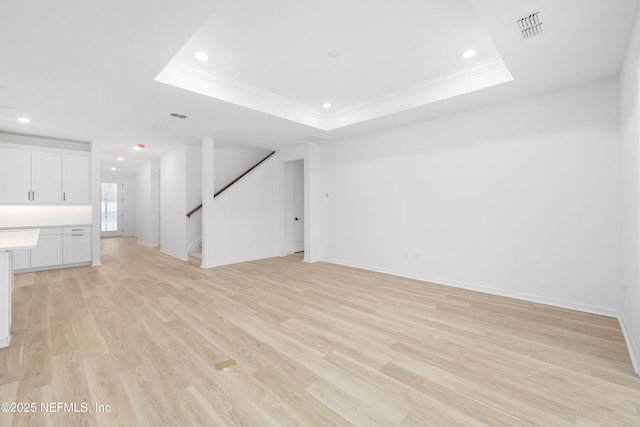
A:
[11, 240]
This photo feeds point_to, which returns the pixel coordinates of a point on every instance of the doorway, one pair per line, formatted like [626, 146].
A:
[298, 207]
[294, 204]
[111, 209]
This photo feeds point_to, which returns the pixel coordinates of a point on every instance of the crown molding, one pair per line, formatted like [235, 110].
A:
[197, 79]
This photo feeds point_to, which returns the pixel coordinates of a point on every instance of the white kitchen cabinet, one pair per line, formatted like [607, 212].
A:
[15, 175]
[76, 245]
[57, 248]
[48, 253]
[10, 240]
[76, 178]
[21, 259]
[46, 177]
[30, 176]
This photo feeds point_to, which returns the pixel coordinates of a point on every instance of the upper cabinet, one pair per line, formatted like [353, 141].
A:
[76, 186]
[43, 177]
[15, 175]
[46, 177]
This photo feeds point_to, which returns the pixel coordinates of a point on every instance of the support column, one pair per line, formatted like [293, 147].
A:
[95, 203]
[313, 204]
[208, 213]
[6, 284]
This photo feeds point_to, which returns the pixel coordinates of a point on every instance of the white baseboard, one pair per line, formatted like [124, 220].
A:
[571, 305]
[183, 258]
[4, 342]
[58, 267]
[230, 261]
[633, 351]
[147, 245]
[195, 245]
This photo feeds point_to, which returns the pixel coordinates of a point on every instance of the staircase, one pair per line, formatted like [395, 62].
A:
[195, 257]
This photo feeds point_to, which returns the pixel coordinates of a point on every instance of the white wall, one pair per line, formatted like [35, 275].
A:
[128, 186]
[521, 199]
[193, 197]
[181, 190]
[95, 202]
[39, 141]
[208, 219]
[247, 222]
[148, 204]
[45, 216]
[173, 200]
[232, 161]
[630, 135]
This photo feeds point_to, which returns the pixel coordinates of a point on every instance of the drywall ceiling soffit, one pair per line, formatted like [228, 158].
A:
[367, 58]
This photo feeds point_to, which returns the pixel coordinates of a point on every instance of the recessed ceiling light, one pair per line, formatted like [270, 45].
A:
[120, 158]
[469, 54]
[202, 56]
[113, 169]
[24, 120]
[326, 105]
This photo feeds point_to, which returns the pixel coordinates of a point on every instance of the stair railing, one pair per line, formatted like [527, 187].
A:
[197, 208]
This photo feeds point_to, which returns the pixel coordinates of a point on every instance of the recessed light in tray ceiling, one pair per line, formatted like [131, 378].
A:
[278, 58]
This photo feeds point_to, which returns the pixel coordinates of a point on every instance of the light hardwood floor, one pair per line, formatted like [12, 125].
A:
[315, 345]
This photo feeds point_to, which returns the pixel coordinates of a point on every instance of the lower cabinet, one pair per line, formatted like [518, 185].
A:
[76, 245]
[57, 247]
[48, 252]
[21, 259]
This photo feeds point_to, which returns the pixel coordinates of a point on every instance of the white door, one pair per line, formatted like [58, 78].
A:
[111, 209]
[298, 207]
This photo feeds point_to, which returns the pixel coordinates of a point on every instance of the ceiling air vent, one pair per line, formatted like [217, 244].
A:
[530, 25]
[178, 116]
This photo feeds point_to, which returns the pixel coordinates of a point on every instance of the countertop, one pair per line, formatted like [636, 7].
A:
[19, 239]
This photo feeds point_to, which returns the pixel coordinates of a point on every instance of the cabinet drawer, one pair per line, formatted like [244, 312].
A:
[77, 229]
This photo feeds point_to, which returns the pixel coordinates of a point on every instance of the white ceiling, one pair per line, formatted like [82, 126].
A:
[367, 58]
[87, 70]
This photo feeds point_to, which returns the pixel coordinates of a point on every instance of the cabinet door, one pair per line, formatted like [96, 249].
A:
[76, 248]
[15, 175]
[48, 252]
[46, 177]
[21, 259]
[76, 179]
